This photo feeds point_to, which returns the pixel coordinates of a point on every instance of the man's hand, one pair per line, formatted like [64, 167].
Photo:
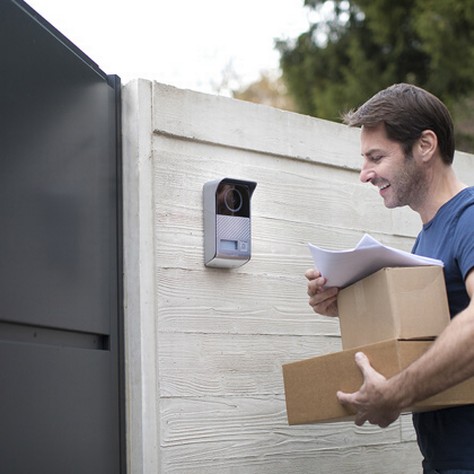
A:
[371, 402]
[322, 300]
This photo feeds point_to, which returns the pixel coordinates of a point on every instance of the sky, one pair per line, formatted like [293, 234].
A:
[205, 45]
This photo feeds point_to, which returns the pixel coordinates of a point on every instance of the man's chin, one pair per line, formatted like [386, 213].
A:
[393, 205]
[390, 204]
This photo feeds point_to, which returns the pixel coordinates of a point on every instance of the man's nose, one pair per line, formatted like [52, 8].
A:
[366, 173]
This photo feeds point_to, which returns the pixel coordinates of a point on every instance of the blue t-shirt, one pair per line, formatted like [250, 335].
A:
[446, 437]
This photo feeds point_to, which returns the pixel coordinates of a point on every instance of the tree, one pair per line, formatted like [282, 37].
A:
[267, 90]
[362, 46]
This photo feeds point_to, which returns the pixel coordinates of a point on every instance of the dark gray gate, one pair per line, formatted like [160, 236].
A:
[60, 259]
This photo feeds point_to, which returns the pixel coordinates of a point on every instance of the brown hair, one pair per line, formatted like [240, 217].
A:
[406, 111]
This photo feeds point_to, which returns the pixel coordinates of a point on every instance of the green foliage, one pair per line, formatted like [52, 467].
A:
[446, 29]
[362, 46]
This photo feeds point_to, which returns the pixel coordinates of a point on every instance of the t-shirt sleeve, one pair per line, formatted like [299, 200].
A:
[465, 241]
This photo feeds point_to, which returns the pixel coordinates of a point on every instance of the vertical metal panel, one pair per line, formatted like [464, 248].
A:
[57, 181]
[55, 410]
[59, 253]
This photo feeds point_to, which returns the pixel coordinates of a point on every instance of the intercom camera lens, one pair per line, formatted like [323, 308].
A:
[233, 199]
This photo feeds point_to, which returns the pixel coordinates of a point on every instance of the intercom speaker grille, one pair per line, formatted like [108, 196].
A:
[233, 228]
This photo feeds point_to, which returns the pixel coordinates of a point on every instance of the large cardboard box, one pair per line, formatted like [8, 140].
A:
[394, 303]
[311, 384]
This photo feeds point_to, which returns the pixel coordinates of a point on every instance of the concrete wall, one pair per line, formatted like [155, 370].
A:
[205, 346]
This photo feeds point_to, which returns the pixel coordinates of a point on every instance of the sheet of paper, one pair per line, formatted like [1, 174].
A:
[344, 267]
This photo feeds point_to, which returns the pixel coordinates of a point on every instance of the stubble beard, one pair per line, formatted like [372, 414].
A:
[409, 186]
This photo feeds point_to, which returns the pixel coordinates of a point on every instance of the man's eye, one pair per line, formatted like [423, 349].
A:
[376, 158]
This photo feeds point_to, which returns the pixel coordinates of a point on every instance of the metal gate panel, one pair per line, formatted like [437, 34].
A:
[61, 401]
[57, 180]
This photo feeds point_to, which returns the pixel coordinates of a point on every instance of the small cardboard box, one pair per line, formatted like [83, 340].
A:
[311, 384]
[394, 303]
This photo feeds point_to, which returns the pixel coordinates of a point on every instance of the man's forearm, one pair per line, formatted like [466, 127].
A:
[449, 361]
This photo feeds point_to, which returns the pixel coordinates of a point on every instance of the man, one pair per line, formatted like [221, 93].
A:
[407, 147]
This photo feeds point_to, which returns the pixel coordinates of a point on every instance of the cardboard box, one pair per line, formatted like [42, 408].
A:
[394, 303]
[311, 385]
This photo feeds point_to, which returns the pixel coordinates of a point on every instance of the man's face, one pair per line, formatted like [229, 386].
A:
[401, 181]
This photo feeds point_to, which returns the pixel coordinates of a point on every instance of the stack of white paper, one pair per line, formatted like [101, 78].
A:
[343, 267]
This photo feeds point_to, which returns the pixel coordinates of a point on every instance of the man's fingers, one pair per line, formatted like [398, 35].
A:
[371, 376]
[363, 363]
[322, 300]
[360, 418]
[316, 285]
[312, 273]
[347, 399]
[366, 403]
[344, 398]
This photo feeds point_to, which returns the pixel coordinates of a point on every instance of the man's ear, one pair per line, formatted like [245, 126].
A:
[427, 144]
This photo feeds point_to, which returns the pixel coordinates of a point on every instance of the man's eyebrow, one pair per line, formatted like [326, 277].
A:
[371, 152]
